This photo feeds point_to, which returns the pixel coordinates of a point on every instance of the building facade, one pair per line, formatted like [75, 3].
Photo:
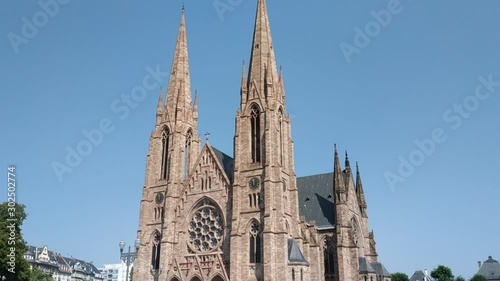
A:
[61, 268]
[207, 216]
[115, 272]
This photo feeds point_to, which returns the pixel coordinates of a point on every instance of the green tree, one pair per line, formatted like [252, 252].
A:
[442, 273]
[478, 277]
[12, 245]
[38, 275]
[399, 276]
[459, 278]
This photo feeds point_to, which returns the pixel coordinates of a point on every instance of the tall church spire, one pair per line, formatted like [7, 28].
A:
[179, 83]
[262, 50]
[243, 88]
[338, 179]
[159, 107]
[360, 192]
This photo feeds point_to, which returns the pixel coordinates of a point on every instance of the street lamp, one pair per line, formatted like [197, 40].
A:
[128, 257]
[156, 272]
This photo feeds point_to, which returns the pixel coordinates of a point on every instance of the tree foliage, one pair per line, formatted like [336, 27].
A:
[459, 278]
[12, 245]
[442, 273]
[38, 275]
[399, 276]
[478, 277]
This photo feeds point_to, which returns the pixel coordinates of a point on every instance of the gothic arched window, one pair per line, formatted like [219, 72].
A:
[156, 250]
[328, 258]
[165, 136]
[187, 152]
[255, 243]
[206, 180]
[255, 131]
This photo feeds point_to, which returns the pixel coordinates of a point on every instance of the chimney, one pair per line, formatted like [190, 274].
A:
[479, 264]
[425, 275]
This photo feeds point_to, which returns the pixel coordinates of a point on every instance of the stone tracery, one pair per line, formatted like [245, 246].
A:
[206, 229]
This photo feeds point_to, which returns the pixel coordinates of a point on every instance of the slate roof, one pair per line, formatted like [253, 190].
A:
[380, 269]
[316, 199]
[490, 269]
[365, 266]
[84, 266]
[52, 258]
[294, 254]
[226, 161]
[56, 260]
[315, 193]
[419, 276]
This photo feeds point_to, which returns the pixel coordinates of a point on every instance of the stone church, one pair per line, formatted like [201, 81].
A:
[206, 216]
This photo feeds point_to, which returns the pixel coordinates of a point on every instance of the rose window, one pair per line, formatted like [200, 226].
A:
[205, 229]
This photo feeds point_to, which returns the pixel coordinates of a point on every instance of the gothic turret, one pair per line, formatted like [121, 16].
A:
[177, 130]
[174, 147]
[360, 193]
[244, 86]
[339, 187]
[262, 70]
[179, 85]
[265, 199]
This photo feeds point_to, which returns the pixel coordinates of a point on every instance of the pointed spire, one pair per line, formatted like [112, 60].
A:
[243, 79]
[338, 177]
[262, 49]
[347, 164]
[281, 86]
[359, 191]
[179, 83]
[159, 107]
[348, 178]
[195, 105]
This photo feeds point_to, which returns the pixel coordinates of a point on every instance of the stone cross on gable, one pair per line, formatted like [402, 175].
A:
[207, 134]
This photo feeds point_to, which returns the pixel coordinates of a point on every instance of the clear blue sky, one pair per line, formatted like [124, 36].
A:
[397, 89]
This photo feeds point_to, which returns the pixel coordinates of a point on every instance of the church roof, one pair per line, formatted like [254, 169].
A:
[380, 269]
[295, 256]
[490, 269]
[419, 275]
[316, 199]
[226, 161]
[365, 266]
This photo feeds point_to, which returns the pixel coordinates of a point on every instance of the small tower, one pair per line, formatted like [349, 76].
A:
[173, 147]
[265, 200]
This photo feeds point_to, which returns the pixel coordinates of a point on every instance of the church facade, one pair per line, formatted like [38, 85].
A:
[206, 216]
